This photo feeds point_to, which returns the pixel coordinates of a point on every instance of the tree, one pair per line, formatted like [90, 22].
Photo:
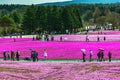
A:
[66, 19]
[28, 25]
[114, 19]
[96, 14]
[7, 24]
[87, 16]
[41, 18]
[16, 17]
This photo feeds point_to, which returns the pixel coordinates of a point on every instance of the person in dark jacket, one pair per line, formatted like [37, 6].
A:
[98, 55]
[109, 55]
[98, 39]
[36, 55]
[61, 38]
[102, 55]
[33, 56]
[83, 53]
[12, 55]
[5, 55]
[17, 55]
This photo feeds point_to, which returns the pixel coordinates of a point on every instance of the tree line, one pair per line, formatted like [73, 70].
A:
[56, 19]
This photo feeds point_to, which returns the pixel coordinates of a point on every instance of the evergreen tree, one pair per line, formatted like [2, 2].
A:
[29, 25]
[96, 14]
[7, 24]
[41, 18]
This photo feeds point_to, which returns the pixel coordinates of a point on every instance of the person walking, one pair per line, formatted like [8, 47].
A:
[83, 53]
[8, 55]
[102, 55]
[17, 55]
[87, 39]
[91, 53]
[45, 53]
[98, 55]
[33, 56]
[43, 37]
[98, 39]
[109, 55]
[12, 55]
[61, 38]
[5, 55]
[104, 38]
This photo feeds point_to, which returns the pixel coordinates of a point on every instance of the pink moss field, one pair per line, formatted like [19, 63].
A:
[59, 71]
[59, 50]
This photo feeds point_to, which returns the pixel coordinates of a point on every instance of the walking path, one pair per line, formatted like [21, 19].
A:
[65, 60]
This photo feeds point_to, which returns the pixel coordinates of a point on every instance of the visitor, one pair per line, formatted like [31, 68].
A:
[12, 55]
[5, 55]
[45, 53]
[17, 55]
[8, 55]
[83, 53]
[91, 53]
[47, 37]
[98, 39]
[36, 55]
[52, 38]
[104, 38]
[43, 37]
[37, 37]
[87, 38]
[61, 38]
[98, 55]
[102, 55]
[33, 56]
[109, 55]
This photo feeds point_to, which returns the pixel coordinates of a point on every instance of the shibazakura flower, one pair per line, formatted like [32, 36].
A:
[59, 50]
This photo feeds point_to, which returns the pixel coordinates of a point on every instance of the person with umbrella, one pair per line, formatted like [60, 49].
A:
[98, 55]
[83, 54]
[101, 54]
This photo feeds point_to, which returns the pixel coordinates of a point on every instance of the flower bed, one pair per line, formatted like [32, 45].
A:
[59, 71]
[60, 50]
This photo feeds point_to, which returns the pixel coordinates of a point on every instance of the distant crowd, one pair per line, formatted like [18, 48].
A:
[16, 55]
[34, 55]
[100, 55]
[11, 55]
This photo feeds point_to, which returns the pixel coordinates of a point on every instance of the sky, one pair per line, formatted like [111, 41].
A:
[29, 2]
